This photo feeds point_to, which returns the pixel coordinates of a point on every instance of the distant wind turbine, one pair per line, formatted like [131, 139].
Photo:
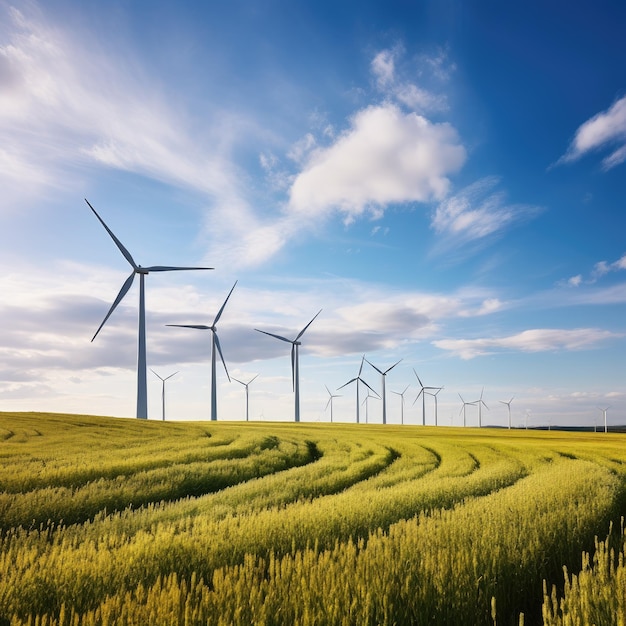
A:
[463, 409]
[434, 395]
[401, 394]
[421, 393]
[330, 402]
[366, 403]
[215, 346]
[358, 380]
[480, 402]
[246, 385]
[163, 391]
[384, 377]
[604, 414]
[295, 361]
[508, 404]
[142, 390]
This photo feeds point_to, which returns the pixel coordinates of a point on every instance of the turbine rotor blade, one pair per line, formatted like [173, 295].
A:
[219, 349]
[219, 313]
[329, 401]
[156, 374]
[123, 291]
[196, 326]
[250, 381]
[390, 368]
[273, 335]
[346, 384]
[368, 387]
[379, 371]
[361, 368]
[304, 329]
[168, 268]
[174, 374]
[418, 395]
[418, 379]
[118, 243]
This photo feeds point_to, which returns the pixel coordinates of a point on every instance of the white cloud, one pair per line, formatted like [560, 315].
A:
[535, 340]
[575, 281]
[603, 129]
[477, 211]
[385, 157]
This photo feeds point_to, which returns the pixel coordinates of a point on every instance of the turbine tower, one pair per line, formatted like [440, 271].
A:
[463, 409]
[215, 346]
[480, 404]
[295, 361]
[142, 388]
[163, 391]
[246, 385]
[330, 402]
[401, 394]
[358, 380]
[508, 404]
[384, 377]
[421, 393]
[604, 414]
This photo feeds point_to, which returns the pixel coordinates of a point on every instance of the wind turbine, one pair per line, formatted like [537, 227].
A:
[480, 404]
[246, 385]
[463, 409]
[421, 393]
[330, 402]
[366, 403]
[384, 377]
[358, 380]
[142, 390]
[163, 391]
[215, 345]
[508, 404]
[295, 361]
[401, 394]
[434, 395]
[604, 414]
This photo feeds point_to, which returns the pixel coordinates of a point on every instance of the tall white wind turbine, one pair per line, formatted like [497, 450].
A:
[295, 361]
[463, 409]
[163, 390]
[508, 404]
[604, 414]
[142, 388]
[215, 346]
[401, 394]
[246, 385]
[330, 402]
[480, 402]
[357, 379]
[421, 393]
[383, 375]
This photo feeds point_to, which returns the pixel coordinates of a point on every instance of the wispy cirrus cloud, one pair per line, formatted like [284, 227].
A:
[478, 211]
[600, 269]
[605, 129]
[534, 340]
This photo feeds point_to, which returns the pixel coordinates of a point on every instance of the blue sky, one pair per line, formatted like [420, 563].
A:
[445, 180]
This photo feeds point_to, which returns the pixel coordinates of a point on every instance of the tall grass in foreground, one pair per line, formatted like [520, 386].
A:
[336, 525]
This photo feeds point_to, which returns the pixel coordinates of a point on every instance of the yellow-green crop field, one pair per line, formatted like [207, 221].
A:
[117, 521]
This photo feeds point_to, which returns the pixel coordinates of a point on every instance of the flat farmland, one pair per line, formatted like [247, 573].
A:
[121, 521]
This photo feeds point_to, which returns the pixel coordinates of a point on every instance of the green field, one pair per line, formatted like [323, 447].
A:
[117, 521]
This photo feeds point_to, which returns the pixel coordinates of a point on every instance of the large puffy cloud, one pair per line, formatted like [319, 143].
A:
[386, 157]
[534, 340]
[603, 129]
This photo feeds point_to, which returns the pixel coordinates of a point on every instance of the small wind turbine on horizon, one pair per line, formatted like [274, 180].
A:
[330, 402]
[163, 390]
[463, 409]
[215, 345]
[422, 393]
[480, 402]
[401, 394]
[246, 385]
[508, 404]
[384, 377]
[366, 403]
[142, 386]
[295, 361]
[358, 380]
[606, 430]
